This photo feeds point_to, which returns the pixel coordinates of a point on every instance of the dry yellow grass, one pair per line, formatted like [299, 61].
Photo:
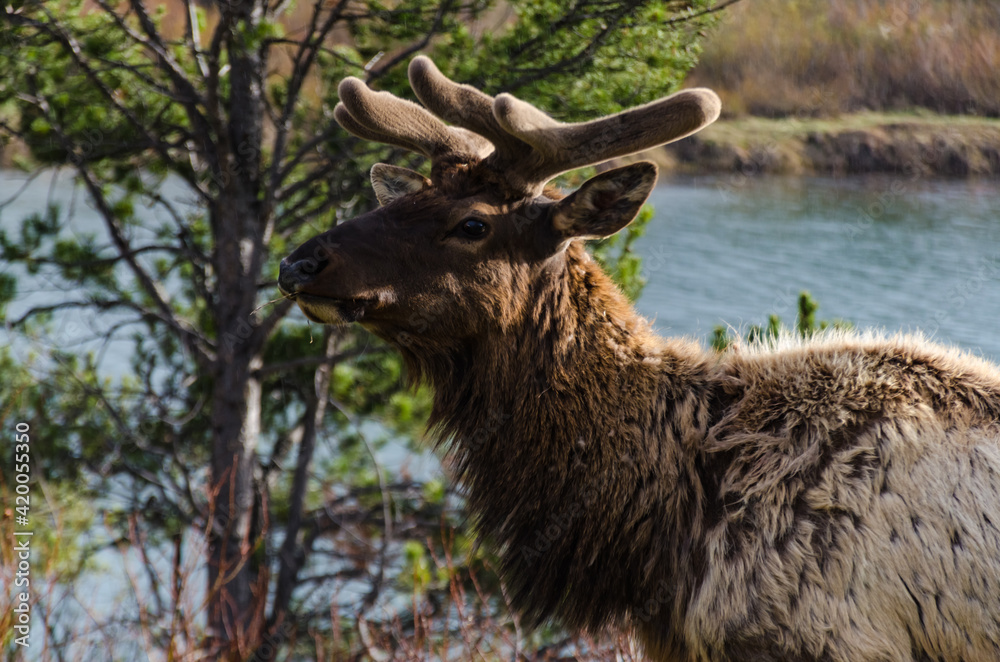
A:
[821, 57]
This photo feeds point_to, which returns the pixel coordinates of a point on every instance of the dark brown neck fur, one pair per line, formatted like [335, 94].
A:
[565, 428]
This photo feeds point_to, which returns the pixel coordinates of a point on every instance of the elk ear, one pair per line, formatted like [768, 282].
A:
[605, 203]
[392, 182]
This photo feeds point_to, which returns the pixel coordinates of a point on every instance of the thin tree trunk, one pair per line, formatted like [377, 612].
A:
[236, 427]
[232, 575]
[236, 600]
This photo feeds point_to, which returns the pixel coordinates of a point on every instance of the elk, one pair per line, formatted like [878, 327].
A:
[832, 499]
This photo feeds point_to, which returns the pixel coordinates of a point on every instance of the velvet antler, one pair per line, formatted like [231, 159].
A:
[517, 140]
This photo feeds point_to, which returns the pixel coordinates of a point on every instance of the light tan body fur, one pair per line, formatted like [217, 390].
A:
[862, 504]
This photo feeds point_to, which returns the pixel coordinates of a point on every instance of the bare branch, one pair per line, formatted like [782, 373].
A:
[192, 35]
[311, 361]
[376, 587]
[188, 95]
[27, 182]
[197, 258]
[711, 10]
[303, 151]
[34, 311]
[8, 129]
[197, 344]
[107, 261]
[264, 330]
[139, 543]
[154, 43]
[303, 63]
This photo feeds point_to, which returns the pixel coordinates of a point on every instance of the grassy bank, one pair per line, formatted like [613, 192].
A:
[900, 143]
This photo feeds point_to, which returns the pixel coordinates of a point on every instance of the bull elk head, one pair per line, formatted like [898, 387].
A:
[445, 259]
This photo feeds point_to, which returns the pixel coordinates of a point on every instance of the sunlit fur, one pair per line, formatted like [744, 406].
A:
[832, 499]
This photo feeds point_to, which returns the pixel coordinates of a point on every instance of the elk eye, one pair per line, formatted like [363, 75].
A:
[473, 227]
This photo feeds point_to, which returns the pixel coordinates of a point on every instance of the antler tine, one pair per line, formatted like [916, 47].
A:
[356, 128]
[385, 118]
[462, 105]
[561, 147]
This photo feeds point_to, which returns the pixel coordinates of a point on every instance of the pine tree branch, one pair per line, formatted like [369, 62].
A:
[72, 48]
[186, 92]
[439, 16]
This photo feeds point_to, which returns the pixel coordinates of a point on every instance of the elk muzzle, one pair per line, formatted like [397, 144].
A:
[296, 274]
[330, 276]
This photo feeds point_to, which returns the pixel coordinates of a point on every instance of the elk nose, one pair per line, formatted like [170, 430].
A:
[293, 275]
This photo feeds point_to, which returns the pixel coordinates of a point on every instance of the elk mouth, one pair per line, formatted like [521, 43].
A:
[295, 277]
[326, 310]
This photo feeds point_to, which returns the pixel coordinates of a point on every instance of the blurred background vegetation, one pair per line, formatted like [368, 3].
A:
[775, 58]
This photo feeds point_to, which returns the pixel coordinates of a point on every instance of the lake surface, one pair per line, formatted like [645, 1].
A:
[880, 252]
[889, 253]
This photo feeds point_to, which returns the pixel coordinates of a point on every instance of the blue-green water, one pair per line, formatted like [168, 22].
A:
[880, 252]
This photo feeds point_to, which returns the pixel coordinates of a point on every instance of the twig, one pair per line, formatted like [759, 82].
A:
[376, 588]
[291, 556]
[310, 361]
[27, 182]
[711, 10]
[302, 64]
